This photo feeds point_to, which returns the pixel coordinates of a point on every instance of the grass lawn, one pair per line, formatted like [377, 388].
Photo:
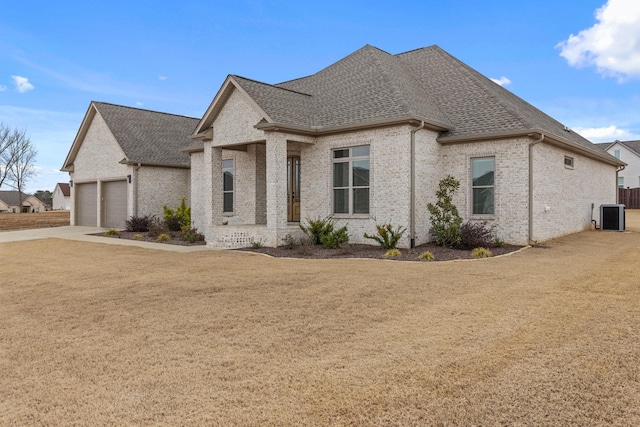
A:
[27, 221]
[94, 334]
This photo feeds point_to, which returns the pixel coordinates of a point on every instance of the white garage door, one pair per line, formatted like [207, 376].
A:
[114, 195]
[87, 204]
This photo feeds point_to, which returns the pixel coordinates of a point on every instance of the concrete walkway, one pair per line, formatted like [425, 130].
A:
[84, 234]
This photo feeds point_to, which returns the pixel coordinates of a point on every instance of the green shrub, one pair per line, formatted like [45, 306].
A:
[138, 223]
[481, 253]
[256, 244]
[176, 219]
[444, 216]
[392, 253]
[386, 236]
[112, 232]
[426, 256]
[137, 237]
[318, 228]
[191, 234]
[335, 239]
[163, 238]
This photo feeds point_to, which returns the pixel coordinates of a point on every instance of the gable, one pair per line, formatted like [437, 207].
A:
[98, 153]
[235, 121]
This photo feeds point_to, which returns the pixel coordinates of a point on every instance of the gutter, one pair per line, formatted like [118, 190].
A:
[412, 205]
[537, 141]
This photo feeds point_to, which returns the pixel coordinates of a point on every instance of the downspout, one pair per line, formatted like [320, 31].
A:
[135, 188]
[537, 141]
[412, 206]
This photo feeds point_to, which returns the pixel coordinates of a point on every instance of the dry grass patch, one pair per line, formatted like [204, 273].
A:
[122, 335]
[26, 221]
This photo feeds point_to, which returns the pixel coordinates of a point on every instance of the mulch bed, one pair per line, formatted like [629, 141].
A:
[320, 252]
[369, 251]
[176, 238]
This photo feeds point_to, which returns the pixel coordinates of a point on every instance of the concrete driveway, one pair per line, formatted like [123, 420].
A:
[86, 234]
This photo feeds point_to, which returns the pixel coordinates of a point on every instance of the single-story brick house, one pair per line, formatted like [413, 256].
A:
[61, 198]
[16, 202]
[127, 162]
[367, 140]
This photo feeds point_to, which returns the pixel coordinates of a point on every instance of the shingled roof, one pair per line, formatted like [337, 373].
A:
[146, 137]
[632, 145]
[373, 86]
[12, 197]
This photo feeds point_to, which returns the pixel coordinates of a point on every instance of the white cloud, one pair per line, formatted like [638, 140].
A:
[22, 84]
[612, 45]
[162, 77]
[502, 81]
[604, 134]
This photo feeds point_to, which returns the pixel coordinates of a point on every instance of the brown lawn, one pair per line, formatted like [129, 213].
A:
[26, 221]
[94, 334]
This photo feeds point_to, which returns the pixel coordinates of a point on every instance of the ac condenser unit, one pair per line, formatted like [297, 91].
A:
[612, 217]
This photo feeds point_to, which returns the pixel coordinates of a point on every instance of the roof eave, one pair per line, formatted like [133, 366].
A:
[132, 162]
[326, 130]
[549, 137]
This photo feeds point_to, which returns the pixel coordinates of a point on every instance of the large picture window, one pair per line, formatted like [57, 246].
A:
[351, 180]
[227, 186]
[483, 185]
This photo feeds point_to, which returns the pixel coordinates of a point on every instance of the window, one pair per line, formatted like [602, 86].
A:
[351, 180]
[621, 182]
[616, 153]
[568, 162]
[227, 186]
[483, 186]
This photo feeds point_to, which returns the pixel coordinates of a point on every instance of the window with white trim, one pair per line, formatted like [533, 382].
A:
[621, 182]
[483, 185]
[227, 186]
[616, 154]
[351, 180]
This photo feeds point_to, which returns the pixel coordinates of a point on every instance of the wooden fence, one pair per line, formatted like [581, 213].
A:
[629, 197]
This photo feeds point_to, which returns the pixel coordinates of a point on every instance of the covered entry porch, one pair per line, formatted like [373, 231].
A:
[256, 191]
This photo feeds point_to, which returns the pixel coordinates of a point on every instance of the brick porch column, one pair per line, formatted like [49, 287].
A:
[276, 186]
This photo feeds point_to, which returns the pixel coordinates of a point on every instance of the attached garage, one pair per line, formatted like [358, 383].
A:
[114, 205]
[87, 204]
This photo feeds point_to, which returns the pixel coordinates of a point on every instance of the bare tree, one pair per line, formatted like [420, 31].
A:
[8, 139]
[17, 159]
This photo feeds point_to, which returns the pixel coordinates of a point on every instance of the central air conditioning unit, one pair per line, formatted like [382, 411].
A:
[612, 217]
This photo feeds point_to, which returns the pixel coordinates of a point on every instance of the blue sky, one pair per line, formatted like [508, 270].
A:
[577, 60]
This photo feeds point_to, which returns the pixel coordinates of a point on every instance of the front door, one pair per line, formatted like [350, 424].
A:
[293, 185]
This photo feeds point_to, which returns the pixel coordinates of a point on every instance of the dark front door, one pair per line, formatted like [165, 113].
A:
[293, 185]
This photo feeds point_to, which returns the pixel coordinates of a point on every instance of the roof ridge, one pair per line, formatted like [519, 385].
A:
[271, 85]
[143, 109]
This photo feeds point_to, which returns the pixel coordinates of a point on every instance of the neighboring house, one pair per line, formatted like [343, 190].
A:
[61, 199]
[125, 162]
[367, 139]
[15, 202]
[628, 152]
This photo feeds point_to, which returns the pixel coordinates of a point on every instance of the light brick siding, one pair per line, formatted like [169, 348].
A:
[389, 179]
[568, 193]
[235, 121]
[198, 191]
[161, 186]
[151, 187]
[97, 160]
[511, 199]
